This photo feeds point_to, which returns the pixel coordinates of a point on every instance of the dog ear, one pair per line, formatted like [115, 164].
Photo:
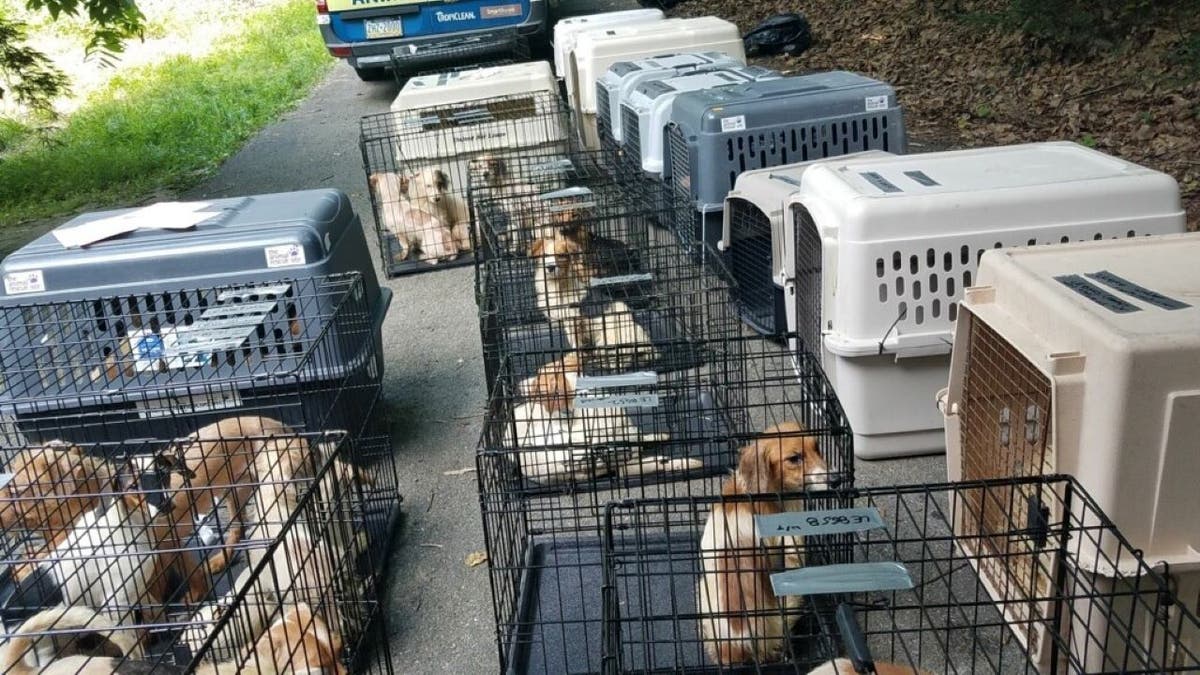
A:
[403, 180]
[440, 179]
[759, 467]
[538, 248]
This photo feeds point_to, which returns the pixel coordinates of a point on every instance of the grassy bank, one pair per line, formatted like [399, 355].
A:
[166, 125]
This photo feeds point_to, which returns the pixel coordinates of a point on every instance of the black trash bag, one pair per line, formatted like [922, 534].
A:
[787, 34]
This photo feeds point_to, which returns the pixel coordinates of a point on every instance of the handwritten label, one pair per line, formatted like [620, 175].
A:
[592, 401]
[811, 523]
[286, 255]
[647, 378]
[32, 281]
[877, 103]
[735, 123]
[620, 279]
[847, 578]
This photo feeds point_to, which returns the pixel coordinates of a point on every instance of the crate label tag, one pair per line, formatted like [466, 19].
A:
[877, 103]
[620, 279]
[877, 179]
[32, 281]
[1096, 294]
[647, 378]
[735, 123]
[285, 255]
[812, 523]
[1142, 293]
[846, 578]
[591, 401]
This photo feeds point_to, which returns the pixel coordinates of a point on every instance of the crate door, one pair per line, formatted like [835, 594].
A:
[807, 257]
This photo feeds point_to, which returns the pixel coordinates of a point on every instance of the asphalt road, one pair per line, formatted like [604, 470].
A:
[439, 609]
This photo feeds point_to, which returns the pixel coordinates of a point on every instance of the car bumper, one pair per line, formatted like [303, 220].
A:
[483, 42]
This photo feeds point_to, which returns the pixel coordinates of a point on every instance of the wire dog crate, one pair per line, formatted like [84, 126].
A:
[543, 531]
[623, 77]
[596, 50]
[566, 31]
[449, 55]
[1088, 345]
[417, 166]
[614, 282]
[904, 234]
[716, 135]
[148, 548]
[911, 596]
[159, 364]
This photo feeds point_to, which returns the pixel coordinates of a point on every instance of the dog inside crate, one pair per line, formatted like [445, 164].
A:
[188, 547]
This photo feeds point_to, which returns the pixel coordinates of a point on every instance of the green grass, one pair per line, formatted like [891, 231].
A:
[167, 125]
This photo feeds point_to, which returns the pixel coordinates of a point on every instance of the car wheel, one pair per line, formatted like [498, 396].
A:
[371, 74]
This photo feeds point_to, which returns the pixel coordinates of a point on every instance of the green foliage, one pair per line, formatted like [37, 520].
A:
[114, 21]
[169, 124]
[26, 74]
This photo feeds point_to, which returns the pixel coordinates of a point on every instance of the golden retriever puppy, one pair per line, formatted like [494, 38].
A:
[742, 621]
[66, 636]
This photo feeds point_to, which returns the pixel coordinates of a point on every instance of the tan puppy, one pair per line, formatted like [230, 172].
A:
[52, 486]
[297, 642]
[418, 230]
[31, 650]
[845, 667]
[742, 621]
[430, 191]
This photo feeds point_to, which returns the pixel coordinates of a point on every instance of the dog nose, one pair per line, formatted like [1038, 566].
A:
[833, 483]
[551, 268]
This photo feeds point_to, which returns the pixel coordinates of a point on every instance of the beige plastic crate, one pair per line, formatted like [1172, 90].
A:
[597, 49]
[1084, 359]
[567, 30]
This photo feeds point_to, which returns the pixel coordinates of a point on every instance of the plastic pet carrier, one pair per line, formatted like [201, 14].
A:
[890, 580]
[496, 48]
[417, 163]
[647, 110]
[596, 50]
[566, 31]
[611, 285]
[167, 593]
[716, 135]
[1083, 359]
[421, 93]
[901, 237]
[543, 501]
[102, 344]
[623, 77]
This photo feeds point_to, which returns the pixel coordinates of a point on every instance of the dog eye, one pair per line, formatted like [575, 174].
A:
[795, 459]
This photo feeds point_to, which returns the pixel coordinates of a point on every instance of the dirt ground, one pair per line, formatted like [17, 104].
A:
[965, 82]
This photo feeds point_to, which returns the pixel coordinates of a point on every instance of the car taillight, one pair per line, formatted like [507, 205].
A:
[339, 52]
[322, 13]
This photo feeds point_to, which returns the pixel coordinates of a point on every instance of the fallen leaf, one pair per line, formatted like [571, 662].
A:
[476, 558]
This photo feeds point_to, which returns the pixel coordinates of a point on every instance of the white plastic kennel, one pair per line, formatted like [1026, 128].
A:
[475, 83]
[566, 31]
[623, 77]
[435, 118]
[596, 50]
[873, 251]
[1084, 359]
[645, 114]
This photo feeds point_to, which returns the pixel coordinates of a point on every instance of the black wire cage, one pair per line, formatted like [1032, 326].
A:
[1003, 576]
[450, 54]
[615, 288]
[305, 351]
[545, 476]
[250, 546]
[417, 165]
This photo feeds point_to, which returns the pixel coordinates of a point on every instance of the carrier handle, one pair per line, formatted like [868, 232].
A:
[856, 643]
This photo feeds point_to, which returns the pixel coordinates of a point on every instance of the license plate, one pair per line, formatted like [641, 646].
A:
[384, 28]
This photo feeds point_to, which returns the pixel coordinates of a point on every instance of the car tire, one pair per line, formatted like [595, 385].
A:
[372, 74]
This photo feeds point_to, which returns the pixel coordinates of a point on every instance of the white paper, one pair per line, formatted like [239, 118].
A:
[161, 216]
[284, 255]
[875, 103]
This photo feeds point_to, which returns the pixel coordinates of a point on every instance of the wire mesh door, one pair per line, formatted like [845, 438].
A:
[808, 280]
[751, 263]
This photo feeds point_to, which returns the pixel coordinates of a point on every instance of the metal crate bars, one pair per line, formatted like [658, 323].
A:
[417, 160]
[542, 526]
[913, 594]
[159, 365]
[188, 554]
[497, 48]
[607, 282]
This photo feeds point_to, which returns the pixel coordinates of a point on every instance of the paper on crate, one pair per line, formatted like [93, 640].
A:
[160, 216]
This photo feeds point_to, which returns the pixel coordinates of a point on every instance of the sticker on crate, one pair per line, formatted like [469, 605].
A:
[16, 283]
[813, 523]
